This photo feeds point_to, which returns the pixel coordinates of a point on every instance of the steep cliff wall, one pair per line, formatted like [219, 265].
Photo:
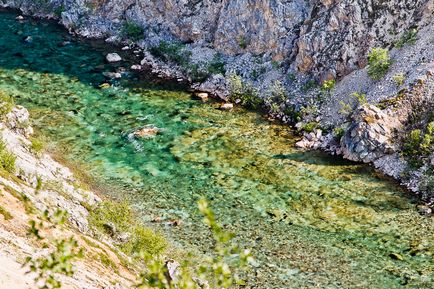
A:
[326, 38]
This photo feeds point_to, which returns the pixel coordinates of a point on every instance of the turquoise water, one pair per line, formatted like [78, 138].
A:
[313, 221]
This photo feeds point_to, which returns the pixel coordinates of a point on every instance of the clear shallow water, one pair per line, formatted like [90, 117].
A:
[313, 221]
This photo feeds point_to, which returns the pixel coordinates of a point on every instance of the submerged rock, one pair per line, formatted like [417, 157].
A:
[227, 106]
[146, 132]
[113, 57]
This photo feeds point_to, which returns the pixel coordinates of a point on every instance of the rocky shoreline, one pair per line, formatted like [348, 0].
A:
[41, 184]
[321, 42]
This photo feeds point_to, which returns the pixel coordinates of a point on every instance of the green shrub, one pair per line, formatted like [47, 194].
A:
[6, 215]
[277, 92]
[307, 86]
[38, 183]
[37, 145]
[242, 42]
[144, 240]
[378, 63]
[180, 55]
[109, 212]
[310, 126]
[356, 99]
[246, 94]
[7, 159]
[112, 218]
[399, 79]
[338, 132]
[328, 85]
[173, 52]
[409, 37]
[217, 65]
[360, 98]
[419, 144]
[6, 103]
[276, 64]
[133, 31]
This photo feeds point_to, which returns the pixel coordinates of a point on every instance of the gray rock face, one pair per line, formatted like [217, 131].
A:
[327, 38]
[370, 135]
[337, 35]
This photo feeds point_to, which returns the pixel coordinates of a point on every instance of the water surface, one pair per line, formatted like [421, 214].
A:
[313, 221]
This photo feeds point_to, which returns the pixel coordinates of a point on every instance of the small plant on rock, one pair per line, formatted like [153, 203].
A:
[338, 132]
[418, 144]
[409, 37]
[6, 104]
[309, 85]
[328, 85]
[243, 93]
[7, 159]
[360, 98]
[37, 145]
[378, 63]
[133, 31]
[242, 42]
[399, 79]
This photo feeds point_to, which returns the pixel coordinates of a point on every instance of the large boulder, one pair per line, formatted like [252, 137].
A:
[370, 134]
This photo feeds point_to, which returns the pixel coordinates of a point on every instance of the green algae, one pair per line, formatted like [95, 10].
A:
[313, 221]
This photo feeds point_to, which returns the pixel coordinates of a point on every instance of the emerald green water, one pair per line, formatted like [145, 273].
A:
[312, 221]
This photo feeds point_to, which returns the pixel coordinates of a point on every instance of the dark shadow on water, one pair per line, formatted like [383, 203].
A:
[314, 157]
[46, 47]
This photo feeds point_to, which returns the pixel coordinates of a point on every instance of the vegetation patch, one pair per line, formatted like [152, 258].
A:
[6, 104]
[37, 145]
[113, 218]
[378, 63]
[309, 85]
[356, 99]
[7, 159]
[409, 37]
[419, 144]
[243, 93]
[6, 215]
[180, 55]
[132, 31]
[399, 79]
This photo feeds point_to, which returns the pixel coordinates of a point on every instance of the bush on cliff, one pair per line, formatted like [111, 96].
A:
[6, 104]
[7, 159]
[419, 144]
[378, 63]
[243, 93]
[132, 31]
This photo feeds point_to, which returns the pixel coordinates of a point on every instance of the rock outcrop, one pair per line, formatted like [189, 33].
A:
[370, 135]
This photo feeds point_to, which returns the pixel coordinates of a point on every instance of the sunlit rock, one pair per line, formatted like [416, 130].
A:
[113, 57]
